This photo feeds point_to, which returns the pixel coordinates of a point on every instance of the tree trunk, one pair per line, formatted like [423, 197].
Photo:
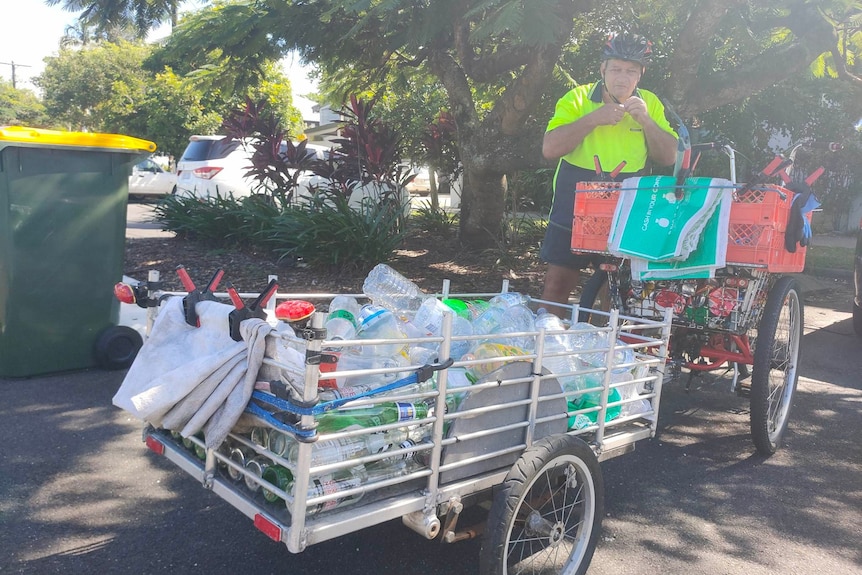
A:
[482, 207]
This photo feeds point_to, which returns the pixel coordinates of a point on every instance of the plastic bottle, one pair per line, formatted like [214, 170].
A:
[459, 377]
[346, 448]
[585, 337]
[388, 288]
[429, 318]
[350, 362]
[341, 321]
[508, 299]
[459, 306]
[517, 318]
[372, 416]
[488, 320]
[377, 322]
[488, 351]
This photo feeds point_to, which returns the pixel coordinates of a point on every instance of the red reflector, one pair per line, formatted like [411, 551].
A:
[124, 293]
[207, 172]
[608, 267]
[155, 445]
[267, 527]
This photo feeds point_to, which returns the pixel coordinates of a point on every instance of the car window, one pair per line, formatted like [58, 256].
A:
[200, 150]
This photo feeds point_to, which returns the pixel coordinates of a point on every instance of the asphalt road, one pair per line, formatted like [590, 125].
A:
[79, 492]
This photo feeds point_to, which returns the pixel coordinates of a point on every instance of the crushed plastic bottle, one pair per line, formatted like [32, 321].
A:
[388, 288]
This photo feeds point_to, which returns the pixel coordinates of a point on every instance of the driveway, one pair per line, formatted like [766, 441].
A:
[79, 492]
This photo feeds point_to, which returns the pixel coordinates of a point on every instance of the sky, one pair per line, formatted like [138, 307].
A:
[32, 31]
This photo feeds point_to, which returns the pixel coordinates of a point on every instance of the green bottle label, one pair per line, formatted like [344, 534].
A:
[342, 313]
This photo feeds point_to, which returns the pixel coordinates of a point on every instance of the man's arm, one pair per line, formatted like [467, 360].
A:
[562, 140]
[661, 145]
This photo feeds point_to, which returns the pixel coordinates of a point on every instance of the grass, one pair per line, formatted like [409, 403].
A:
[829, 257]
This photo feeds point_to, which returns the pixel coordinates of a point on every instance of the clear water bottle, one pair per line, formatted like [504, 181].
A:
[388, 288]
[509, 299]
[354, 362]
[429, 318]
[377, 322]
[344, 479]
[515, 319]
[341, 322]
[585, 338]
[488, 320]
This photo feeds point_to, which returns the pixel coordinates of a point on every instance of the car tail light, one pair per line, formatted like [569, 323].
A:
[207, 172]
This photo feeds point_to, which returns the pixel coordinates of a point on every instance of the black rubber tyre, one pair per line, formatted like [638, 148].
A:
[547, 515]
[857, 319]
[117, 346]
[594, 295]
[776, 362]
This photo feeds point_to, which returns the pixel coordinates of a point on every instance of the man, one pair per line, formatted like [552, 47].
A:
[611, 119]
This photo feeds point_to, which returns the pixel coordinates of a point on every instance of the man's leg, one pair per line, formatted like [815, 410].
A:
[559, 283]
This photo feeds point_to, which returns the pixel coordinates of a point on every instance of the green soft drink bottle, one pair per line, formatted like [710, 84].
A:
[278, 476]
[372, 416]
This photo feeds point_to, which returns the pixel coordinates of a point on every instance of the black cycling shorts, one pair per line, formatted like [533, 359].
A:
[557, 250]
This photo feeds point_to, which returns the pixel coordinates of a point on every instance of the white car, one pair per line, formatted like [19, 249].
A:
[212, 165]
[421, 184]
[150, 179]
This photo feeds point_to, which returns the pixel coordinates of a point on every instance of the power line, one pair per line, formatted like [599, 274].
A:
[14, 67]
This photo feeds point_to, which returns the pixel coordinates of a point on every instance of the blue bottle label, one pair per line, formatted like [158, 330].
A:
[406, 411]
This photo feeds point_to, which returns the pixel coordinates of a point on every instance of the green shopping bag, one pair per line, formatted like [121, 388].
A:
[653, 224]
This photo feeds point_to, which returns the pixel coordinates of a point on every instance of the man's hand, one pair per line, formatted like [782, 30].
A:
[637, 108]
[608, 114]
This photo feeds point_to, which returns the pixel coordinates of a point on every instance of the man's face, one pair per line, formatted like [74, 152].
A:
[621, 77]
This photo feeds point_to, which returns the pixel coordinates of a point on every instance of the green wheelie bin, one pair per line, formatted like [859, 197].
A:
[63, 199]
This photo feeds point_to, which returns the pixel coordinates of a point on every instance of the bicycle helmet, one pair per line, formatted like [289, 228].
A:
[629, 47]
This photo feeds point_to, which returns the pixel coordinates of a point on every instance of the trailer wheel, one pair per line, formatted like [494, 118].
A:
[117, 346]
[776, 361]
[547, 515]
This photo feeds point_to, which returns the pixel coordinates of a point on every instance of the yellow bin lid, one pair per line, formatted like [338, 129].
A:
[40, 137]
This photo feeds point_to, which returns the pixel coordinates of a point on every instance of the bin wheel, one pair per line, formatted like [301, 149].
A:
[595, 293]
[547, 515]
[776, 361]
[117, 346]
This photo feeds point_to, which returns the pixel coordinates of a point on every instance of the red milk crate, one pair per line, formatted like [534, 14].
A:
[758, 219]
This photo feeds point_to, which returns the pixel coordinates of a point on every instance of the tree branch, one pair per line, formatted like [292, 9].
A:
[701, 24]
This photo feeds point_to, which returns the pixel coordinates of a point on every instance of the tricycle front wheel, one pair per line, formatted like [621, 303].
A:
[776, 362]
[547, 516]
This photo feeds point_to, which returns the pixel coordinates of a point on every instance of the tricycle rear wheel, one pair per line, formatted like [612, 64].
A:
[547, 516]
[776, 361]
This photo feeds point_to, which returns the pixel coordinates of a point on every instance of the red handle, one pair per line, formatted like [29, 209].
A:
[772, 166]
[814, 175]
[267, 293]
[598, 165]
[618, 169]
[214, 281]
[185, 279]
[234, 296]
